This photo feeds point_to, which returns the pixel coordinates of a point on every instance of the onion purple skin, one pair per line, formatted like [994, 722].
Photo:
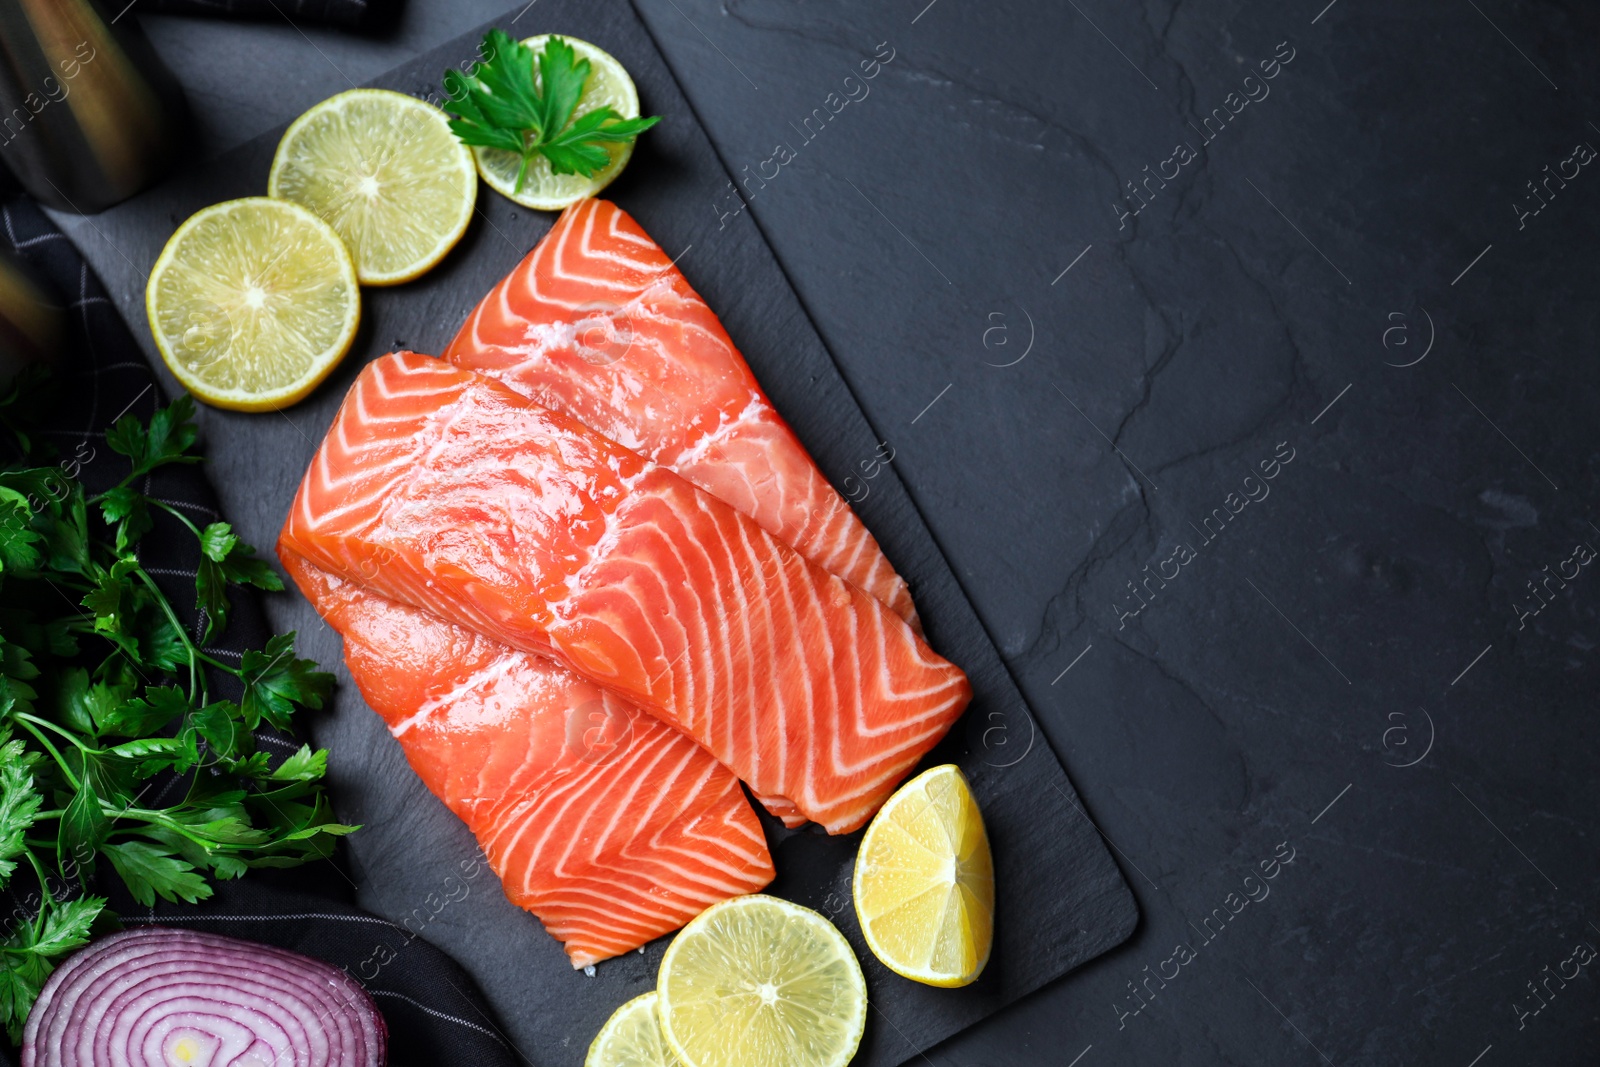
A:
[162, 997]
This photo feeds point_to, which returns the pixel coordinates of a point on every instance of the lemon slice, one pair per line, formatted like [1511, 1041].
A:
[385, 171]
[631, 1038]
[252, 303]
[543, 189]
[758, 980]
[924, 881]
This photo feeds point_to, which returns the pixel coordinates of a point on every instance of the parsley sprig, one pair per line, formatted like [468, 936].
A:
[103, 687]
[521, 101]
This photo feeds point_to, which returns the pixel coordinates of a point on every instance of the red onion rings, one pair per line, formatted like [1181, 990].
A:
[156, 997]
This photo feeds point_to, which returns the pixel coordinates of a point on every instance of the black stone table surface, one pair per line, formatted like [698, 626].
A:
[1241, 357]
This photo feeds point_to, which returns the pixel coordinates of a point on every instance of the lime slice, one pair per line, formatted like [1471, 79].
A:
[924, 881]
[385, 171]
[543, 190]
[758, 980]
[252, 303]
[631, 1038]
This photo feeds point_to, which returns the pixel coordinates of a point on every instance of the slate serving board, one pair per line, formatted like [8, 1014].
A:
[1061, 899]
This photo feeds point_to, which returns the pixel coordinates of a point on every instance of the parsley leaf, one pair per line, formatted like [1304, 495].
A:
[156, 754]
[113, 600]
[83, 828]
[19, 804]
[82, 705]
[167, 439]
[146, 715]
[66, 530]
[125, 508]
[17, 670]
[18, 540]
[224, 559]
[502, 103]
[304, 766]
[66, 926]
[563, 76]
[220, 725]
[150, 871]
[164, 646]
[26, 955]
[275, 681]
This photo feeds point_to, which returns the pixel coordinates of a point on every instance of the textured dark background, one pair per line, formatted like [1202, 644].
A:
[1351, 640]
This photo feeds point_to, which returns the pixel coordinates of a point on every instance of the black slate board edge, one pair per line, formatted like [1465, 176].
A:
[1046, 926]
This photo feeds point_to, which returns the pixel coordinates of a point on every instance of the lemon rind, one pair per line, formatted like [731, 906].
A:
[591, 1058]
[469, 161]
[856, 1026]
[926, 976]
[238, 400]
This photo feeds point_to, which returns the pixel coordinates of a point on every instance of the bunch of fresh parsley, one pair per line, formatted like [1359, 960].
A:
[502, 103]
[103, 688]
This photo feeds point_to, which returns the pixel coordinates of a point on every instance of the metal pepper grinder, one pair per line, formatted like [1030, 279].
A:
[89, 115]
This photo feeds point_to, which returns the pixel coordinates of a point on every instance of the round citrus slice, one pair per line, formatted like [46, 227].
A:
[385, 171]
[758, 980]
[252, 303]
[631, 1038]
[543, 189]
[924, 881]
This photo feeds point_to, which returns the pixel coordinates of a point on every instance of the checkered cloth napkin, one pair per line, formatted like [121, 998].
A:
[334, 12]
[434, 1012]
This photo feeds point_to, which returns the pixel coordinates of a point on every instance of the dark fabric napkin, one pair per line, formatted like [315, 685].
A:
[434, 1011]
[332, 12]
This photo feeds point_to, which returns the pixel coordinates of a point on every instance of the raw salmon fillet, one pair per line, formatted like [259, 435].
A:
[598, 322]
[450, 492]
[605, 822]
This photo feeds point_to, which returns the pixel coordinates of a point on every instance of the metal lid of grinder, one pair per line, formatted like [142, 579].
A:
[89, 115]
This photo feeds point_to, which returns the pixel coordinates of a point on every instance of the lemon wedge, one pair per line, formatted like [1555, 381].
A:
[542, 189]
[385, 171]
[758, 980]
[252, 303]
[924, 881]
[631, 1038]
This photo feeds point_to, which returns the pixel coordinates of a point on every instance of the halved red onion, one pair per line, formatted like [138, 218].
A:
[159, 997]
